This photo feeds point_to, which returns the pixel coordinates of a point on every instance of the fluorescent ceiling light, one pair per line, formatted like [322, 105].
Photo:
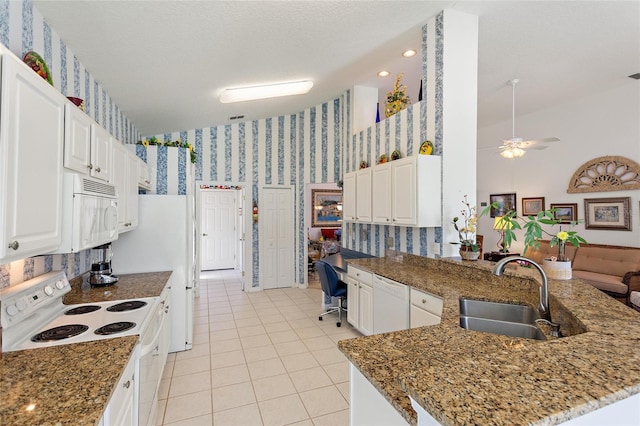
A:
[383, 73]
[409, 53]
[250, 93]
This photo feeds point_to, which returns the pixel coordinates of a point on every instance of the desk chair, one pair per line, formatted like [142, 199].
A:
[332, 286]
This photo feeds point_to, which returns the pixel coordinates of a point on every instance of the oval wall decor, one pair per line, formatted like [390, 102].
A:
[604, 174]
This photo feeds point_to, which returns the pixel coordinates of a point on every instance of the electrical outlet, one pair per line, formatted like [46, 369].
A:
[435, 248]
[389, 242]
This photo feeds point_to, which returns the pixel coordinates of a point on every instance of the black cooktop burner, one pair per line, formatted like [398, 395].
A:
[59, 333]
[129, 305]
[116, 327]
[82, 310]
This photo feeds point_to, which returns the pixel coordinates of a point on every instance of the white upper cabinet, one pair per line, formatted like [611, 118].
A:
[77, 139]
[31, 146]
[349, 197]
[416, 198]
[132, 190]
[101, 153]
[125, 179]
[381, 194]
[363, 195]
[144, 174]
[87, 145]
[405, 192]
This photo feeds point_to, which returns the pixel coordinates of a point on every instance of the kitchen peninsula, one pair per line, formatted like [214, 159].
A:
[461, 377]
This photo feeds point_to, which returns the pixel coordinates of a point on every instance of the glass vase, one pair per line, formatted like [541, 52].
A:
[561, 255]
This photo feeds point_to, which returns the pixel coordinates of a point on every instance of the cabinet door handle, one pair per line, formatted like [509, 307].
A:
[424, 300]
[98, 169]
[205, 235]
[13, 245]
[127, 384]
[89, 166]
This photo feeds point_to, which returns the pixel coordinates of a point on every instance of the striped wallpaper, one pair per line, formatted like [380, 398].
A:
[312, 146]
[293, 150]
[22, 29]
[297, 150]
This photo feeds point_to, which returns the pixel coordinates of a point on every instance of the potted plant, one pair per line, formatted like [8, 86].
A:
[556, 266]
[465, 224]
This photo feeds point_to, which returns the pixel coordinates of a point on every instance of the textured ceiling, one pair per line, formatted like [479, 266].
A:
[165, 62]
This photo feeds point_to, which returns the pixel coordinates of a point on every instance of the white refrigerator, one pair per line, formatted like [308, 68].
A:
[165, 241]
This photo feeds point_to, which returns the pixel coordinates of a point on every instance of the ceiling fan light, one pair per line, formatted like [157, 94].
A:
[506, 153]
[265, 91]
[517, 152]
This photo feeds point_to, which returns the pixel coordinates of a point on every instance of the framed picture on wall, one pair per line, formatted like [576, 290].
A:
[532, 206]
[505, 202]
[327, 208]
[565, 213]
[608, 213]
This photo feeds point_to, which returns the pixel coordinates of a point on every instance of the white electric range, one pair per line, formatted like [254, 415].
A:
[34, 316]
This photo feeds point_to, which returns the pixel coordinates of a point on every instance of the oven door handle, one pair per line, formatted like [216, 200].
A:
[154, 343]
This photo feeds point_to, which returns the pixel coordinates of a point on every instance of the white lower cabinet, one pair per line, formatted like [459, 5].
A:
[367, 405]
[425, 309]
[122, 407]
[360, 299]
[352, 301]
[365, 309]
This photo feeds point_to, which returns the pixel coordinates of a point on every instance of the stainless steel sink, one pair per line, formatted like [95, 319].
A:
[500, 318]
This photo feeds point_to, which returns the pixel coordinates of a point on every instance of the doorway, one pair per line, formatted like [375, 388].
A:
[277, 237]
[221, 229]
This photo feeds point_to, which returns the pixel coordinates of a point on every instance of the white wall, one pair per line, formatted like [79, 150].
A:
[603, 123]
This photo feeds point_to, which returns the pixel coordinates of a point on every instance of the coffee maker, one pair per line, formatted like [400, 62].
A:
[100, 274]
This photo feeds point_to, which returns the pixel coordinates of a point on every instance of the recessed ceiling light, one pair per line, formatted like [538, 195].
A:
[409, 53]
[239, 94]
[383, 73]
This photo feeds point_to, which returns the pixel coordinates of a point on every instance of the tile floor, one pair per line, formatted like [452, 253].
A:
[258, 358]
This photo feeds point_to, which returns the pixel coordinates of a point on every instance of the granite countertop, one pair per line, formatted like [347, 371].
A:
[72, 384]
[465, 377]
[69, 384]
[130, 286]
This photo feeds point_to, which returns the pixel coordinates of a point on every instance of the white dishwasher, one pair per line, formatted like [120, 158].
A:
[390, 305]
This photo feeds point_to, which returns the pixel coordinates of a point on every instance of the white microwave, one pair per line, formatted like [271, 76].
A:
[89, 213]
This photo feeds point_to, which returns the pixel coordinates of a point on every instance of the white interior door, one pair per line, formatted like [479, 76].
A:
[218, 229]
[276, 233]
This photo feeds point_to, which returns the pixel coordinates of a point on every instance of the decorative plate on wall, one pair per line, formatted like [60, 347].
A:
[38, 64]
[426, 148]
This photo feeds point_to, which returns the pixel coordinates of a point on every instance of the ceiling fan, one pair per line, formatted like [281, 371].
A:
[516, 147]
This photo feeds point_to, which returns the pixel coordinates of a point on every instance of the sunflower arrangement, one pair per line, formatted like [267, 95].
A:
[397, 99]
[153, 141]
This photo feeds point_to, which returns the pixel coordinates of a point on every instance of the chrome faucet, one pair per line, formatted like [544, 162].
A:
[543, 306]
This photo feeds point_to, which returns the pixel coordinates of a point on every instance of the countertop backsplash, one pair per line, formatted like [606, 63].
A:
[74, 264]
